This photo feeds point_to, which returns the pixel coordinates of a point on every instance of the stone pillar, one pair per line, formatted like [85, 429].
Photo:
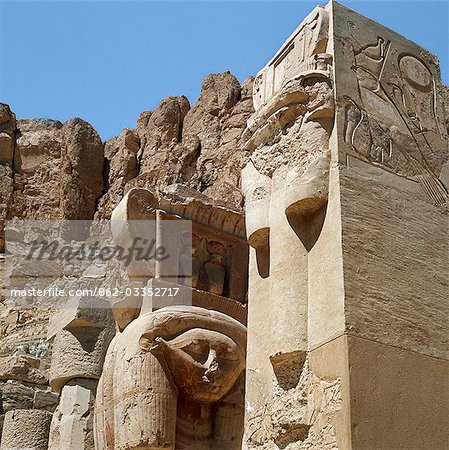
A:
[72, 423]
[347, 215]
[174, 376]
[393, 178]
[81, 332]
[26, 428]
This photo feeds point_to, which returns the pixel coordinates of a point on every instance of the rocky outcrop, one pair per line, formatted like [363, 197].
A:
[7, 130]
[82, 163]
[57, 170]
[212, 132]
[198, 146]
[121, 166]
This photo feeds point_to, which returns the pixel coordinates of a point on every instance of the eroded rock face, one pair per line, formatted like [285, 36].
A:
[57, 170]
[198, 147]
[82, 167]
[214, 127]
[6, 192]
[121, 166]
[7, 130]
[37, 174]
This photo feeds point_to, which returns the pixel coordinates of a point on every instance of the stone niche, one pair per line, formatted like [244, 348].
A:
[346, 204]
[173, 376]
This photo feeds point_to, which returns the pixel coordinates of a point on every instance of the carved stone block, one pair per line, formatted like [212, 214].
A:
[25, 428]
[80, 312]
[174, 378]
[72, 423]
[22, 368]
[346, 201]
[78, 353]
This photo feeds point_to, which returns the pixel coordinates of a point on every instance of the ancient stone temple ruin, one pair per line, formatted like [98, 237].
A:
[316, 312]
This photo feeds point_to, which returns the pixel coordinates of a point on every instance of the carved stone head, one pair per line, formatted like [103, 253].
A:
[173, 375]
[204, 364]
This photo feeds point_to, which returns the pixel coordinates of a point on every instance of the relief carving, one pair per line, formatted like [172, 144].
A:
[173, 379]
[298, 55]
[290, 135]
[393, 121]
[174, 376]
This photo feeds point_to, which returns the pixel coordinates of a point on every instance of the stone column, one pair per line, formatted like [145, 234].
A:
[81, 332]
[346, 211]
[26, 428]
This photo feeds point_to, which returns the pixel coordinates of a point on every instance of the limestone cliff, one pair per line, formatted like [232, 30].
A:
[197, 146]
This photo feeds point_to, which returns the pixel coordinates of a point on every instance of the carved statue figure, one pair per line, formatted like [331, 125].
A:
[289, 133]
[173, 379]
[286, 188]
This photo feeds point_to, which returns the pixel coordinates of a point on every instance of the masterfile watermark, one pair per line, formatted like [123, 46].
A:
[140, 250]
[48, 262]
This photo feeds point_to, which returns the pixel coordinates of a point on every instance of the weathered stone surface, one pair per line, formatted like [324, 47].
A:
[37, 174]
[22, 395]
[344, 145]
[57, 170]
[165, 374]
[15, 395]
[6, 193]
[82, 166]
[286, 186]
[78, 353]
[7, 130]
[211, 134]
[26, 429]
[25, 331]
[45, 399]
[401, 246]
[121, 166]
[72, 423]
[159, 137]
[396, 375]
[80, 312]
[21, 368]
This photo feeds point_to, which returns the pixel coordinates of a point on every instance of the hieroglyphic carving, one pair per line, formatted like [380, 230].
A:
[299, 54]
[394, 121]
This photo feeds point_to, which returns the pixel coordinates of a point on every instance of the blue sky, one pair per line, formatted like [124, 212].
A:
[107, 61]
